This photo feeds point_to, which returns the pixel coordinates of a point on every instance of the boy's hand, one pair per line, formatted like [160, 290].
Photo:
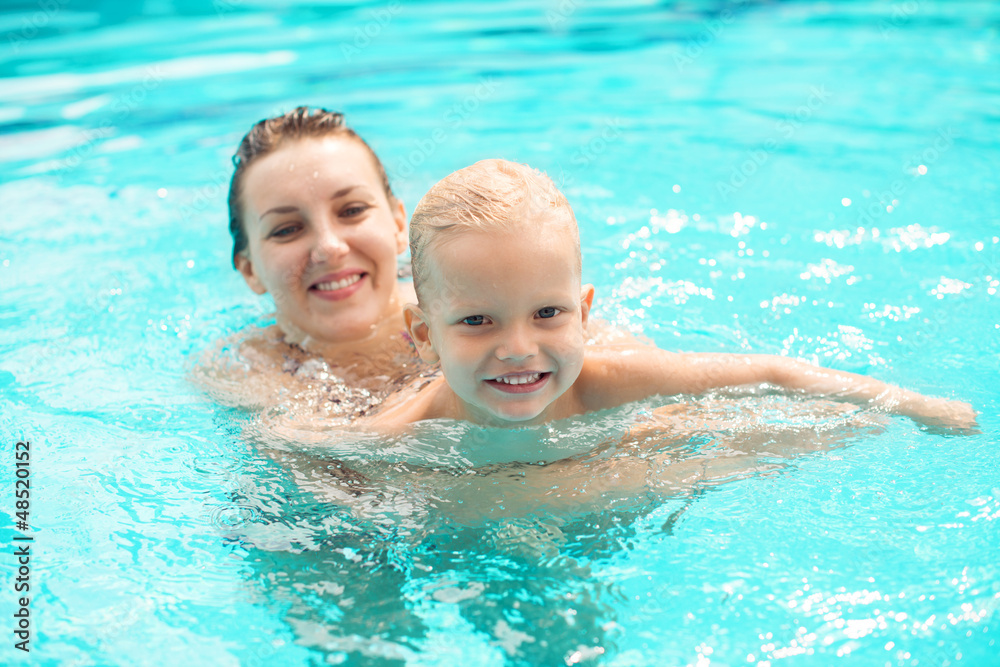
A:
[940, 413]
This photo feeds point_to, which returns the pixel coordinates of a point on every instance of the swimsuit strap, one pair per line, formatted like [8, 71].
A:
[409, 341]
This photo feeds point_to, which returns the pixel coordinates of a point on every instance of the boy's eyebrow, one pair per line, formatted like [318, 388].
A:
[292, 209]
[456, 304]
[460, 304]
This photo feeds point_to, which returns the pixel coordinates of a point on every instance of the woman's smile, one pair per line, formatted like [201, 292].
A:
[339, 286]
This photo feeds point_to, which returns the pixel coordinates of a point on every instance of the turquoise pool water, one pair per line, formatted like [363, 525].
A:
[802, 178]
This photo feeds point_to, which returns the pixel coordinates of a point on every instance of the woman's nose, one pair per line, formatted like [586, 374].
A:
[329, 246]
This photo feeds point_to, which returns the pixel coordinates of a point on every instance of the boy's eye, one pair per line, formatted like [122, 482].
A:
[474, 320]
[547, 312]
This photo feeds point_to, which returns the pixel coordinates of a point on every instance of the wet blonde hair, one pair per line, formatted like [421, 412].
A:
[490, 195]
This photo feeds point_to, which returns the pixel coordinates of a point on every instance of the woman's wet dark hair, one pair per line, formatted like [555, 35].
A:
[267, 136]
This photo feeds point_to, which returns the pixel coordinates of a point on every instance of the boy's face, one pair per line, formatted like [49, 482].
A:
[504, 313]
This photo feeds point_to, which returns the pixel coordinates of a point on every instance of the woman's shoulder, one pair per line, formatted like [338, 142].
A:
[258, 368]
[422, 398]
[262, 345]
[246, 368]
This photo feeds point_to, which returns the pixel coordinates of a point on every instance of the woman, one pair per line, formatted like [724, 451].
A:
[315, 224]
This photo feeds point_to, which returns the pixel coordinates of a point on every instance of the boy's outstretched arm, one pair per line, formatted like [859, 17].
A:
[927, 410]
[620, 375]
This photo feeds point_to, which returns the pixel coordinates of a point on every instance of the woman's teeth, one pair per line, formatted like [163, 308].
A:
[520, 379]
[339, 284]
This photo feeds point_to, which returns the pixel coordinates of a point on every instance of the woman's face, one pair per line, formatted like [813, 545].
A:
[322, 238]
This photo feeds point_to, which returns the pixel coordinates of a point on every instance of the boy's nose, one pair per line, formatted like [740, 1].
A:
[516, 345]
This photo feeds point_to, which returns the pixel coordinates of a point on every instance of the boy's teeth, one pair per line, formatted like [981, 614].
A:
[520, 379]
[339, 284]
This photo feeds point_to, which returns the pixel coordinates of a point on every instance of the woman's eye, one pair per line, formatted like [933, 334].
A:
[474, 321]
[547, 312]
[282, 232]
[354, 210]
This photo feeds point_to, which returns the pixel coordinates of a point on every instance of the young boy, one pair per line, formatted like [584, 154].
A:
[497, 271]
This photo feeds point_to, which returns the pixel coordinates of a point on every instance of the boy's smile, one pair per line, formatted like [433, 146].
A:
[519, 383]
[503, 312]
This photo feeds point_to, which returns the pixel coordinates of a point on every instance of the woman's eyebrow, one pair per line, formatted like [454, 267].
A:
[343, 191]
[292, 209]
[278, 209]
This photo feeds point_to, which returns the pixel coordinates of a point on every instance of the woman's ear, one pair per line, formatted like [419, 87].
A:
[245, 267]
[402, 239]
[586, 301]
[420, 333]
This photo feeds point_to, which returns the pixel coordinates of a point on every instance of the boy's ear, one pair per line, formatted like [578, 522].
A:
[420, 333]
[245, 267]
[586, 301]
[399, 216]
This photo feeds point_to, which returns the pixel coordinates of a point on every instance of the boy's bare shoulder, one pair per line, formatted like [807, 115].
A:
[604, 361]
[611, 374]
[602, 333]
[616, 374]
